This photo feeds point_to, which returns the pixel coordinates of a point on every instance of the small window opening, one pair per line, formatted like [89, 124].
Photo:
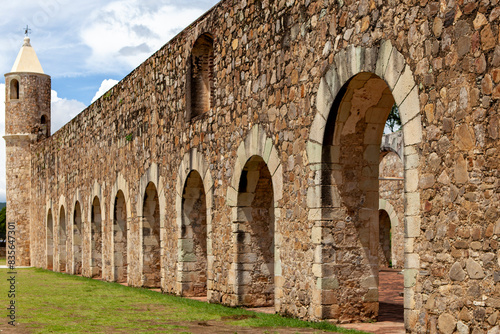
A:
[200, 77]
[14, 89]
[43, 120]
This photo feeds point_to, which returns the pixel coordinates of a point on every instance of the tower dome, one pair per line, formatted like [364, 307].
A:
[27, 61]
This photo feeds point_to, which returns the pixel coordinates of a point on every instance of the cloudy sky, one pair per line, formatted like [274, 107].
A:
[87, 46]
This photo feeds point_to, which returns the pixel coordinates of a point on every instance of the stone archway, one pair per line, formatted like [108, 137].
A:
[151, 269]
[77, 239]
[50, 240]
[151, 206]
[394, 224]
[258, 174]
[93, 225]
[121, 210]
[340, 199]
[119, 235]
[194, 205]
[96, 238]
[62, 236]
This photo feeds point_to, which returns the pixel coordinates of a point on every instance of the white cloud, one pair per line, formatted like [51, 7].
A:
[63, 110]
[106, 85]
[124, 33]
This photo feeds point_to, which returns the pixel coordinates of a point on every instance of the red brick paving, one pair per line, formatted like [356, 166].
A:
[391, 309]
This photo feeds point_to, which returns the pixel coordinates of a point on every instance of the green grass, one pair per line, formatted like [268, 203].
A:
[53, 302]
[2, 261]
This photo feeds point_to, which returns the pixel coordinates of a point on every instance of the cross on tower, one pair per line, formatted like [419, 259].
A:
[27, 31]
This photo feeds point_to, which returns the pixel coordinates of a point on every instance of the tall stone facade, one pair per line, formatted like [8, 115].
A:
[279, 166]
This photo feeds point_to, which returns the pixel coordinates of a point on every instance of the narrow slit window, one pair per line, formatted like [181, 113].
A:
[200, 80]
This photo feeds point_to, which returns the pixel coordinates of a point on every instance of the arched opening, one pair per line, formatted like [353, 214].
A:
[200, 77]
[96, 238]
[50, 241]
[120, 238]
[14, 89]
[43, 120]
[255, 236]
[62, 240]
[385, 242]
[77, 239]
[151, 269]
[193, 243]
[391, 190]
[350, 176]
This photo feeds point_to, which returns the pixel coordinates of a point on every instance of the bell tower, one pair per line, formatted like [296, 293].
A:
[27, 120]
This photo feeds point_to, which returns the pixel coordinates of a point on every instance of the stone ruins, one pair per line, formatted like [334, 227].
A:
[245, 161]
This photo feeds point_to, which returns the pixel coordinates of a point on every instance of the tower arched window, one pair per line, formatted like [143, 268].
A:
[14, 89]
[43, 119]
[200, 77]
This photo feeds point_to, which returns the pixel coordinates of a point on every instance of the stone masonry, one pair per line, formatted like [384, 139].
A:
[266, 191]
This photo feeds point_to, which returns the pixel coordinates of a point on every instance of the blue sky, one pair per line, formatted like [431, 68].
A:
[87, 46]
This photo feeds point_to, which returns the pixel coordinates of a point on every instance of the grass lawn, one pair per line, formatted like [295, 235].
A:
[2, 261]
[52, 302]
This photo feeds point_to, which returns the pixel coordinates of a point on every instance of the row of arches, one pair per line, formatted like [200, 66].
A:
[341, 200]
[69, 233]
[78, 247]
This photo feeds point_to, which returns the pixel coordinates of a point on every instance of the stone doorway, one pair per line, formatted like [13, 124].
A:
[120, 238]
[254, 244]
[96, 239]
[50, 241]
[351, 153]
[77, 239]
[151, 238]
[193, 242]
[62, 240]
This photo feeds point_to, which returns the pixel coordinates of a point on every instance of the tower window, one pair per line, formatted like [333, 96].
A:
[14, 89]
[43, 120]
[200, 77]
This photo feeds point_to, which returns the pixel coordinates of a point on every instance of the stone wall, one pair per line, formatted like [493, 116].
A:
[283, 91]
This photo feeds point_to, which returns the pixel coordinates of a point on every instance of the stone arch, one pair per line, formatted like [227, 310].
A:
[393, 142]
[149, 180]
[121, 209]
[195, 178]
[388, 209]
[258, 151]
[77, 234]
[384, 227]
[49, 237]
[354, 66]
[200, 88]
[96, 221]
[62, 236]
